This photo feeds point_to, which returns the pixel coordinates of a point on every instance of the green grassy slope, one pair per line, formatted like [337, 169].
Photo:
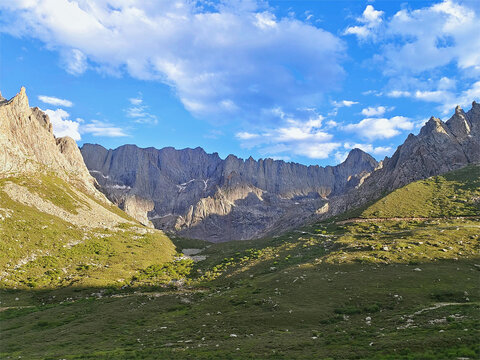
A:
[454, 194]
[406, 289]
[38, 249]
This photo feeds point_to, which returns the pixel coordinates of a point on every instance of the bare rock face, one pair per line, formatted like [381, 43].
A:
[438, 148]
[27, 145]
[138, 208]
[203, 196]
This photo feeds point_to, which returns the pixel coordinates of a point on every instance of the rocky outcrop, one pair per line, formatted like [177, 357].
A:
[438, 148]
[27, 145]
[138, 208]
[203, 196]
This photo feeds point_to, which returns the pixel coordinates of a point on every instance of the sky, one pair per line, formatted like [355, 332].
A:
[302, 81]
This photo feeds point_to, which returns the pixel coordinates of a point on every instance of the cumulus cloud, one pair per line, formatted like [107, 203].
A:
[62, 125]
[380, 128]
[223, 60]
[299, 137]
[374, 111]
[371, 20]
[51, 100]
[434, 36]
[418, 40]
[417, 47]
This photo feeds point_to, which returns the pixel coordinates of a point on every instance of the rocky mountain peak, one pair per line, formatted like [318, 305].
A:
[28, 145]
[459, 123]
[475, 110]
[20, 101]
[358, 156]
[433, 125]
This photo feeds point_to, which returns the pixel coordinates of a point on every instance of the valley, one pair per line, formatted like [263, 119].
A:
[384, 288]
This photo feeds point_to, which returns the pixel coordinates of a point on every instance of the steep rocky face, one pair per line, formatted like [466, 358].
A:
[138, 208]
[27, 145]
[202, 196]
[438, 148]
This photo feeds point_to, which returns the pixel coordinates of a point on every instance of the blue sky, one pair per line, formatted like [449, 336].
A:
[303, 81]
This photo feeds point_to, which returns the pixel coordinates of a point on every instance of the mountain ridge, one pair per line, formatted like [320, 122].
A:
[198, 193]
[244, 198]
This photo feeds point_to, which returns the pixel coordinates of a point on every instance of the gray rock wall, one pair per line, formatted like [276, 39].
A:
[203, 196]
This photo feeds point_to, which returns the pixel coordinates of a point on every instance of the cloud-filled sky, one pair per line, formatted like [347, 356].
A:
[296, 80]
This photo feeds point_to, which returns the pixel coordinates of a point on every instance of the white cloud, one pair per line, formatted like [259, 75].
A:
[444, 94]
[398, 93]
[424, 39]
[294, 136]
[370, 148]
[380, 128]
[100, 128]
[136, 101]
[218, 57]
[138, 111]
[61, 124]
[245, 135]
[74, 61]
[371, 20]
[374, 111]
[51, 100]
[342, 103]
[316, 151]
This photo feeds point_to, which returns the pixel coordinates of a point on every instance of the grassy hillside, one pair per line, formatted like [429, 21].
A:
[454, 194]
[41, 246]
[396, 289]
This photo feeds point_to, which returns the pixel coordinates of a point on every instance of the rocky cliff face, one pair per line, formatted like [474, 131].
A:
[438, 148]
[27, 145]
[203, 196]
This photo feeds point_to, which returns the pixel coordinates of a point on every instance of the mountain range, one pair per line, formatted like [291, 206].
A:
[200, 195]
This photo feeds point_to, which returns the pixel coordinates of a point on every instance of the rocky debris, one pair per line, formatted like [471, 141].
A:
[203, 196]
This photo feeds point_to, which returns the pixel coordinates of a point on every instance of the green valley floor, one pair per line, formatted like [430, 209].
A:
[401, 281]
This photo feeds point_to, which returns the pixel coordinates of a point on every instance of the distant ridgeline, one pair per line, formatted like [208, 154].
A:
[206, 197]
[200, 195]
